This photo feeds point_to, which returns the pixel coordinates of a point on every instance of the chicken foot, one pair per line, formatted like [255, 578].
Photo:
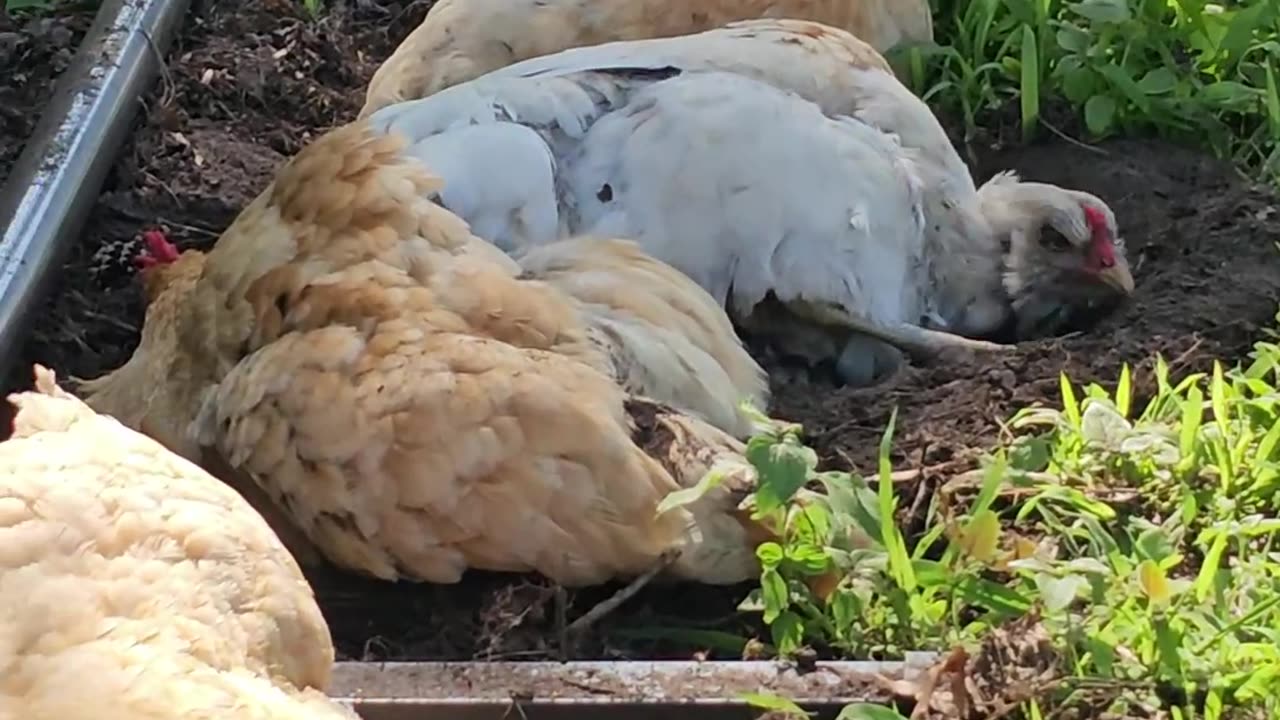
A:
[920, 343]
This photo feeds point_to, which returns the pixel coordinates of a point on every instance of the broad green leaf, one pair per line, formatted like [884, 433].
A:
[774, 593]
[770, 554]
[868, 711]
[844, 607]
[1102, 425]
[981, 537]
[1240, 32]
[775, 703]
[1154, 584]
[1058, 593]
[1105, 11]
[811, 560]
[1230, 95]
[788, 632]
[1079, 82]
[1158, 81]
[1072, 38]
[1154, 544]
[783, 467]
[849, 496]
[811, 523]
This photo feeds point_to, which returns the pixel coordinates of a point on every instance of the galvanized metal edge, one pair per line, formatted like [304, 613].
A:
[667, 689]
[55, 181]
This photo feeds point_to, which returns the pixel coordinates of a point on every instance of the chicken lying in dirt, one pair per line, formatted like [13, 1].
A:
[463, 39]
[774, 162]
[419, 404]
[134, 585]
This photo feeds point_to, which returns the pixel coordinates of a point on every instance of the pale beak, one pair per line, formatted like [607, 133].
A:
[1118, 277]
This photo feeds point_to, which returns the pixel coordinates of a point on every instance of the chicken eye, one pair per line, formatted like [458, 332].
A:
[1051, 239]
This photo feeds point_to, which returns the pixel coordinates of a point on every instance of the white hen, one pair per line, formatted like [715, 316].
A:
[708, 151]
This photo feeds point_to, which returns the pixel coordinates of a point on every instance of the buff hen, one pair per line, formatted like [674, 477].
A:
[772, 161]
[463, 39]
[133, 585]
[418, 403]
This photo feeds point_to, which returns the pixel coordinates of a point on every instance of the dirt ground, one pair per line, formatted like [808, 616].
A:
[250, 82]
[33, 52]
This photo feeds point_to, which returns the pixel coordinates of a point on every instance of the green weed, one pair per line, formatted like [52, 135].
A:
[1143, 540]
[1188, 70]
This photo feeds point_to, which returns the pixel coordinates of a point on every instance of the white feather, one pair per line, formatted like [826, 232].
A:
[745, 188]
[746, 207]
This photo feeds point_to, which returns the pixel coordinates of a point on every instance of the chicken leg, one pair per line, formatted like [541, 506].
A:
[920, 343]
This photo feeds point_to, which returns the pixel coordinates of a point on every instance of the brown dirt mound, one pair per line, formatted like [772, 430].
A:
[251, 82]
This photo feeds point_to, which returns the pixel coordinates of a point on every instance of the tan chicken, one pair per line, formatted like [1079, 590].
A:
[135, 586]
[772, 161]
[418, 404]
[463, 39]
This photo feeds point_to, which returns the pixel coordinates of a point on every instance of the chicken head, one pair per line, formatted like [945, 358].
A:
[1064, 258]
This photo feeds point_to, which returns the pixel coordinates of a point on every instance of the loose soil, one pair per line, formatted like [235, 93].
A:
[33, 52]
[251, 81]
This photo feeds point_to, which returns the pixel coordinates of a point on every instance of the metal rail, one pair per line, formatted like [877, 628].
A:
[54, 183]
[672, 690]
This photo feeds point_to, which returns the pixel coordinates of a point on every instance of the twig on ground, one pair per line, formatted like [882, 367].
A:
[605, 607]
[1078, 143]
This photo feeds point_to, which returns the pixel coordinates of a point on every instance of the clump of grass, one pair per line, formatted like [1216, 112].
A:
[1142, 540]
[1188, 70]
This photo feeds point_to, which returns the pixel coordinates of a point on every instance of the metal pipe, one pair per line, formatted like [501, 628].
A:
[55, 182]
[638, 690]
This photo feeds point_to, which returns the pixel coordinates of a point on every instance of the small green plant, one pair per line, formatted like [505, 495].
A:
[840, 574]
[1189, 70]
[1142, 540]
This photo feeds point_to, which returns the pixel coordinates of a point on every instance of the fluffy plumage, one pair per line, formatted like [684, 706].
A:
[461, 40]
[135, 586]
[418, 403]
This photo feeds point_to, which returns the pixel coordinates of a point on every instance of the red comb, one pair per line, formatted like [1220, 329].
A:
[1097, 220]
[157, 250]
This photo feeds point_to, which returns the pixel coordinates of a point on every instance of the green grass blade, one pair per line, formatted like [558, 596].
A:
[1030, 97]
[899, 561]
